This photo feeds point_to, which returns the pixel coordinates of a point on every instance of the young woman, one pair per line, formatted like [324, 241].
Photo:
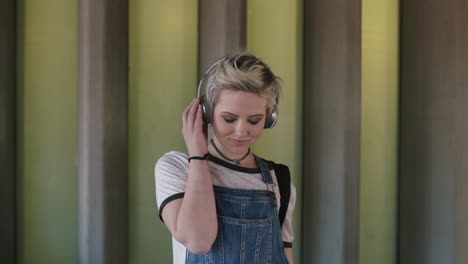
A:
[221, 202]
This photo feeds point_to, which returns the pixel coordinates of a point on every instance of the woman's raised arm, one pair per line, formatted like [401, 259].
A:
[192, 220]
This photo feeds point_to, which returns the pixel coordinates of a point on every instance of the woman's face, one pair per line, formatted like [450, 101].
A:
[238, 120]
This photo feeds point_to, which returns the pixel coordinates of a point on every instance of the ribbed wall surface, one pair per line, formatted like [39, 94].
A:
[47, 132]
[433, 128]
[379, 132]
[163, 80]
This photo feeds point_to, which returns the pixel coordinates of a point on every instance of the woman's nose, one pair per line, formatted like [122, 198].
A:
[241, 128]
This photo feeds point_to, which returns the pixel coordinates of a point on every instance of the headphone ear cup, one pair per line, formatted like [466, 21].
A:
[206, 109]
[272, 119]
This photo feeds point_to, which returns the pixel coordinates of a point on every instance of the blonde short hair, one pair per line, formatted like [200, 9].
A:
[243, 71]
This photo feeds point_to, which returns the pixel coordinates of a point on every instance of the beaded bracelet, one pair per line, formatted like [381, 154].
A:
[198, 157]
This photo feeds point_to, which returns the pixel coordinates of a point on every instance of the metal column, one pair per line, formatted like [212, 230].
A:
[222, 29]
[8, 131]
[331, 135]
[433, 132]
[103, 150]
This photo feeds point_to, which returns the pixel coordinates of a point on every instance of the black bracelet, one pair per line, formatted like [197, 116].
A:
[198, 157]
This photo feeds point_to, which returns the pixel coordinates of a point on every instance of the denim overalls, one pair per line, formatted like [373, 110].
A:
[248, 226]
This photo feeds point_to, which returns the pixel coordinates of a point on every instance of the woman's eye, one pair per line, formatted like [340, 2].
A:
[254, 122]
[229, 120]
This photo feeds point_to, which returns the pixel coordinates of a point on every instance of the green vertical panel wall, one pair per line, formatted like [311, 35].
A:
[163, 80]
[47, 108]
[274, 33]
[378, 211]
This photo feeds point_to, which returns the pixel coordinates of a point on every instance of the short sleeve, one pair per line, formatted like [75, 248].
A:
[287, 229]
[170, 175]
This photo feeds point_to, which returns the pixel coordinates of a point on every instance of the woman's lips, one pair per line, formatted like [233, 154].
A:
[239, 142]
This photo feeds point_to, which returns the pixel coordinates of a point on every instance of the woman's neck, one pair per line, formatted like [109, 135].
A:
[247, 158]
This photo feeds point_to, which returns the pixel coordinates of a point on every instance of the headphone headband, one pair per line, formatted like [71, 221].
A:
[207, 72]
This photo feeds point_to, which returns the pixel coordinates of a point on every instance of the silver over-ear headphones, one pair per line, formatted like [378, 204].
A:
[206, 105]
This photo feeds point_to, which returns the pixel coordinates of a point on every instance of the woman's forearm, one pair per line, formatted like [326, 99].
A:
[197, 223]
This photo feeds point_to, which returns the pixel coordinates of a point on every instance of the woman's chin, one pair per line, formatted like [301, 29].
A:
[238, 149]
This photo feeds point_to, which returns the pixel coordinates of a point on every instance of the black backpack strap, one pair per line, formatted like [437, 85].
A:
[284, 184]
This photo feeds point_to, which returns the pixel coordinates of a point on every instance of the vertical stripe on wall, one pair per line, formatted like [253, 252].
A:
[103, 156]
[163, 80]
[433, 132]
[47, 135]
[8, 130]
[274, 34]
[332, 115]
[378, 208]
[222, 29]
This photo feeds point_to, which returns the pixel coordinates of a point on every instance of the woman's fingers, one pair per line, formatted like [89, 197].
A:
[187, 111]
[199, 117]
[193, 128]
[192, 113]
[189, 116]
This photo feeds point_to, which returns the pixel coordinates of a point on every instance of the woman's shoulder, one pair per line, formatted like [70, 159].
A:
[174, 155]
[176, 159]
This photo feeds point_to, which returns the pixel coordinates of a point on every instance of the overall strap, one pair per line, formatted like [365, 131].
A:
[266, 176]
[284, 183]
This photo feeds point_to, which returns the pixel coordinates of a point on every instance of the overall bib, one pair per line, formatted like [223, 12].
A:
[248, 226]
